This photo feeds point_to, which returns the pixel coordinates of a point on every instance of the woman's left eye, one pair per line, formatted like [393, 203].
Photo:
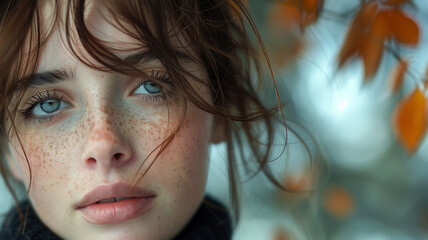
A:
[148, 87]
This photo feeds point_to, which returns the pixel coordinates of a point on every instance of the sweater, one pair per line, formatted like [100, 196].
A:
[211, 222]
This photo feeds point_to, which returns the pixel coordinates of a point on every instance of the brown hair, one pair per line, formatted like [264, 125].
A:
[215, 30]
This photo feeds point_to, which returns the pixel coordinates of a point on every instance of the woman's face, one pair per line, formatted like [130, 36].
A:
[90, 135]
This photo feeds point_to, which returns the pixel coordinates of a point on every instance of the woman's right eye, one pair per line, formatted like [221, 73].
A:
[44, 106]
[48, 107]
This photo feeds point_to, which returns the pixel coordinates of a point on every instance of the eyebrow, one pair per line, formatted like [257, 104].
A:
[60, 75]
[48, 77]
[142, 56]
[145, 56]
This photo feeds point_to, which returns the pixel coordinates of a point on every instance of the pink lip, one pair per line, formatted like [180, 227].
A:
[106, 213]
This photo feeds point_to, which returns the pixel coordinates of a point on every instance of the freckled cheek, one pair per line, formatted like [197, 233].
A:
[150, 132]
[48, 157]
[183, 166]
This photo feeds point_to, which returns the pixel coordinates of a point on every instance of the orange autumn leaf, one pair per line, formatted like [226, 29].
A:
[355, 38]
[339, 202]
[298, 183]
[380, 27]
[371, 53]
[397, 75]
[365, 16]
[404, 29]
[409, 122]
[300, 12]
[282, 234]
[283, 15]
[373, 25]
[285, 40]
[310, 10]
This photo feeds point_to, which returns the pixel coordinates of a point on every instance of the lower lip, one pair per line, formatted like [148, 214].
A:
[114, 212]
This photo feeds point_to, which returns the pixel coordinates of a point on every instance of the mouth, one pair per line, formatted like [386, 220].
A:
[114, 199]
[113, 203]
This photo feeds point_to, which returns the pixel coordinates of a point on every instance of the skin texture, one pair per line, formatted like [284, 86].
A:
[103, 136]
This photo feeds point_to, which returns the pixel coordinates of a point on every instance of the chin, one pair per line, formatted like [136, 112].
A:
[139, 232]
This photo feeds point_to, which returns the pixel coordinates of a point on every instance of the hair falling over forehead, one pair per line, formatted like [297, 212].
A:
[215, 31]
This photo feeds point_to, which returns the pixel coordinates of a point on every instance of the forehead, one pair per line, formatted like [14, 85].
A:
[115, 33]
[64, 49]
[64, 39]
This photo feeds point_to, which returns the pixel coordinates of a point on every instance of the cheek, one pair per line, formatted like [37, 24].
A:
[48, 158]
[182, 167]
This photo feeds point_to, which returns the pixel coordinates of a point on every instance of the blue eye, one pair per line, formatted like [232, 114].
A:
[44, 106]
[48, 107]
[148, 87]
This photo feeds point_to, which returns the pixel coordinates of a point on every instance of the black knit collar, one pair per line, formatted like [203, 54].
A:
[211, 222]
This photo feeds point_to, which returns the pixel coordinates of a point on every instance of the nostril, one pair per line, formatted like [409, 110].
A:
[91, 161]
[117, 156]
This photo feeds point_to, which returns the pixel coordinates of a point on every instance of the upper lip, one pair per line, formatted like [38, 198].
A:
[106, 191]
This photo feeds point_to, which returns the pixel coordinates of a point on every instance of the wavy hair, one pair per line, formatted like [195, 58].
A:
[217, 31]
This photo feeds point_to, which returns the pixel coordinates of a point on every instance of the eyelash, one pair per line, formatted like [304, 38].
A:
[51, 94]
[161, 77]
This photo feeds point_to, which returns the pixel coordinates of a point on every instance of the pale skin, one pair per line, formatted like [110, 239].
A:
[105, 127]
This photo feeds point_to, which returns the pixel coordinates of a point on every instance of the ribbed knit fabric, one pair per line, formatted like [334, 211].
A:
[32, 228]
[211, 222]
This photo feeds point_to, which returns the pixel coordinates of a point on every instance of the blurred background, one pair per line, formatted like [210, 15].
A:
[349, 73]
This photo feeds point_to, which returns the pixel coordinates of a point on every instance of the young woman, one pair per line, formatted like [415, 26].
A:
[108, 108]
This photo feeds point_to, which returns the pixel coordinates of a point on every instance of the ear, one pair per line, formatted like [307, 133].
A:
[13, 166]
[218, 131]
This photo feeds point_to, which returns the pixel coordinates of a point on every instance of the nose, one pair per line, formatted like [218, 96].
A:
[105, 147]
